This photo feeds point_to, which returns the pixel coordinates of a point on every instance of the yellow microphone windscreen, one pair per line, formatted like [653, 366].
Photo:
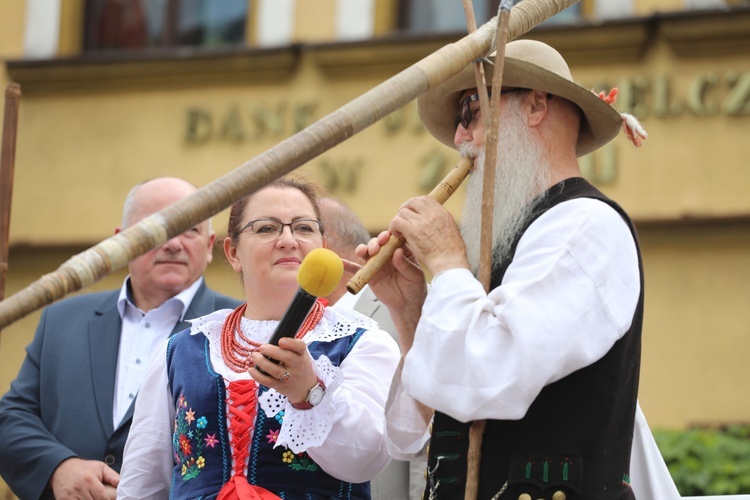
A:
[320, 272]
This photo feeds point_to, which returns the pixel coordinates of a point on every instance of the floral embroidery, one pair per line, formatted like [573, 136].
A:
[188, 441]
[185, 445]
[273, 435]
[301, 462]
[211, 440]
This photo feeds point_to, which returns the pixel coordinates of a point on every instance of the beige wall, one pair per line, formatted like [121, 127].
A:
[695, 339]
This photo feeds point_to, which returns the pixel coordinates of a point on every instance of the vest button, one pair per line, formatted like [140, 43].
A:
[559, 495]
[524, 496]
[109, 459]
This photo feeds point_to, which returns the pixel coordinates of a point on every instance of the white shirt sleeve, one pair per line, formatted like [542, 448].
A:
[147, 461]
[355, 449]
[568, 296]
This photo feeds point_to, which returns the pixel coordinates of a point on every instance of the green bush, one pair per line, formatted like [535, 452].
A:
[706, 461]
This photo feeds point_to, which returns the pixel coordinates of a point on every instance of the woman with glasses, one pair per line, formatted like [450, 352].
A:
[216, 418]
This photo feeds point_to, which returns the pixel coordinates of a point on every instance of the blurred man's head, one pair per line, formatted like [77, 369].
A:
[344, 231]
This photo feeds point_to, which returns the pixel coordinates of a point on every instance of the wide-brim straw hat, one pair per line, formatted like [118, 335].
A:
[529, 64]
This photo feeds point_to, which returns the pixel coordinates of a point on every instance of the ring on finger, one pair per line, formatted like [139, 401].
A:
[284, 377]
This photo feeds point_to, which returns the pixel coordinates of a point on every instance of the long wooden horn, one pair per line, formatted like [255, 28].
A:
[440, 193]
[115, 252]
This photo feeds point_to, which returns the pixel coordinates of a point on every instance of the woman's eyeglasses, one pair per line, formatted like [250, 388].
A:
[271, 229]
[465, 114]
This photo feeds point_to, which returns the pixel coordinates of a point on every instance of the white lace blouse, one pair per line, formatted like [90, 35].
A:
[344, 434]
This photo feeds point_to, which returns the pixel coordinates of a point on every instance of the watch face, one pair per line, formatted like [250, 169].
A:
[316, 395]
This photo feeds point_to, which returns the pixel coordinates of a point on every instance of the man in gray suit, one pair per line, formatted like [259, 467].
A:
[344, 231]
[67, 415]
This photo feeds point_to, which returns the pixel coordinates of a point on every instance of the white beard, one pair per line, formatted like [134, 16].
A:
[522, 174]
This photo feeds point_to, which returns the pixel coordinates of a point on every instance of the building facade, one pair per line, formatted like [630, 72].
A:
[117, 92]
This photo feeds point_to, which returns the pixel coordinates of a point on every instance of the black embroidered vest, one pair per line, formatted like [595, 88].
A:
[575, 440]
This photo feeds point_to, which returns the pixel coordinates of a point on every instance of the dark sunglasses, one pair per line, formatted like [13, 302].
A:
[465, 114]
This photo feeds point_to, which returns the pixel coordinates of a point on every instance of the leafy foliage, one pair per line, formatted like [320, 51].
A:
[706, 461]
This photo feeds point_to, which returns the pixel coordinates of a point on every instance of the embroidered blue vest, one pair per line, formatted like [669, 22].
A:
[200, 444]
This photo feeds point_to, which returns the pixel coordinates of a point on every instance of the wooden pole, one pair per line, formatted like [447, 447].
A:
[484, 100]
[476, 431]
[7, 165]
[491, 141]
[490, 148]
[115, 252]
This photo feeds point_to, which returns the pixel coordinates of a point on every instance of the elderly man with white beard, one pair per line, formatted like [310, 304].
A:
[550, 356]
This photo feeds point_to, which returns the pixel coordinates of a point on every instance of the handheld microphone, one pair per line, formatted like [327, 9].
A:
[318, 276]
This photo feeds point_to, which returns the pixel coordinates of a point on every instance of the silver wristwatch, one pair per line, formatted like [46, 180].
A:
[314, 396]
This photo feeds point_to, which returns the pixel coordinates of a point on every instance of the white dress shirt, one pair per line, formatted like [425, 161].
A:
[140, 337]
[649, 476]
[347, 301]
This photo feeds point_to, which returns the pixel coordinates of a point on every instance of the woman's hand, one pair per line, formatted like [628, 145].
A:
[293, 376]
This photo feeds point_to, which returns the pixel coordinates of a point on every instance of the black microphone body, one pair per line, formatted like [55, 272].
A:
[292, 320]
[294, 316]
